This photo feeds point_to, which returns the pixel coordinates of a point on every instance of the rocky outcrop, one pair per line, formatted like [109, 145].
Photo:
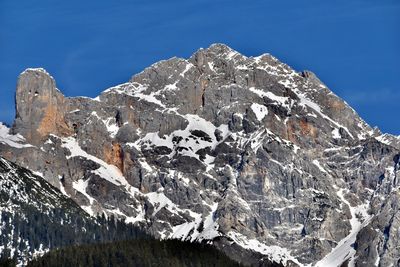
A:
[40, 107]
[243, 152]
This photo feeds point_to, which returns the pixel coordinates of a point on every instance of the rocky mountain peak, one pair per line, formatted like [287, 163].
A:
[215, 51]
[221, 147]
[34, 83]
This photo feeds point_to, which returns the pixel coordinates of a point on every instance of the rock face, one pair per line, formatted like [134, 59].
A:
[39, 107]
[244, 152]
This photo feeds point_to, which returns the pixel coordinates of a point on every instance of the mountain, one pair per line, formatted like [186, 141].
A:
[36, 217]
[40, 226]
[31, 212]
[263, 162]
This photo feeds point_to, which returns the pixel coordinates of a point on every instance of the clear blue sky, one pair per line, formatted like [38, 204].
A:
[353, 46]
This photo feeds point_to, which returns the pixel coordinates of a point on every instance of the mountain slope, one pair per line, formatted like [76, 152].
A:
[36, 217]
[243, 152]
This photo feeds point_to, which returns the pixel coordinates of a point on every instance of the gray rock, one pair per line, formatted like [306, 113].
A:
[265, 163]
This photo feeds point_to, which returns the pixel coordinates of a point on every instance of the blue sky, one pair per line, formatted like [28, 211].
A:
[88, 46]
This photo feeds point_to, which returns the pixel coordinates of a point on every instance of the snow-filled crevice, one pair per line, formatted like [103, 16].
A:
[345, 249]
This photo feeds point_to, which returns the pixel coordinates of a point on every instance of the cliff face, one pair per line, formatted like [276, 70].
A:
[40, 107]
[221, 147]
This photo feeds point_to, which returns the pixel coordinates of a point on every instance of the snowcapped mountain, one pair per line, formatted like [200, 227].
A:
[264, 162]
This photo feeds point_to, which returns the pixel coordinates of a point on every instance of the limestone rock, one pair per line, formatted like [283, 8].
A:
[40, 107]
[264, 162]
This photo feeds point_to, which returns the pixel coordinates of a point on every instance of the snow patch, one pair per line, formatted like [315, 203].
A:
[336, 134]
[187, 68]
[42, 70]
[259, 110]
[11, 140]
[211, 66]
[81, 186]
[385, 139]
[209, 227]
[136, 90]
[171, 87]
[279, 100]
[274, 253]
[106, 171]
[188, 139]
[159, 201]
[112, 126]
[316, 163]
